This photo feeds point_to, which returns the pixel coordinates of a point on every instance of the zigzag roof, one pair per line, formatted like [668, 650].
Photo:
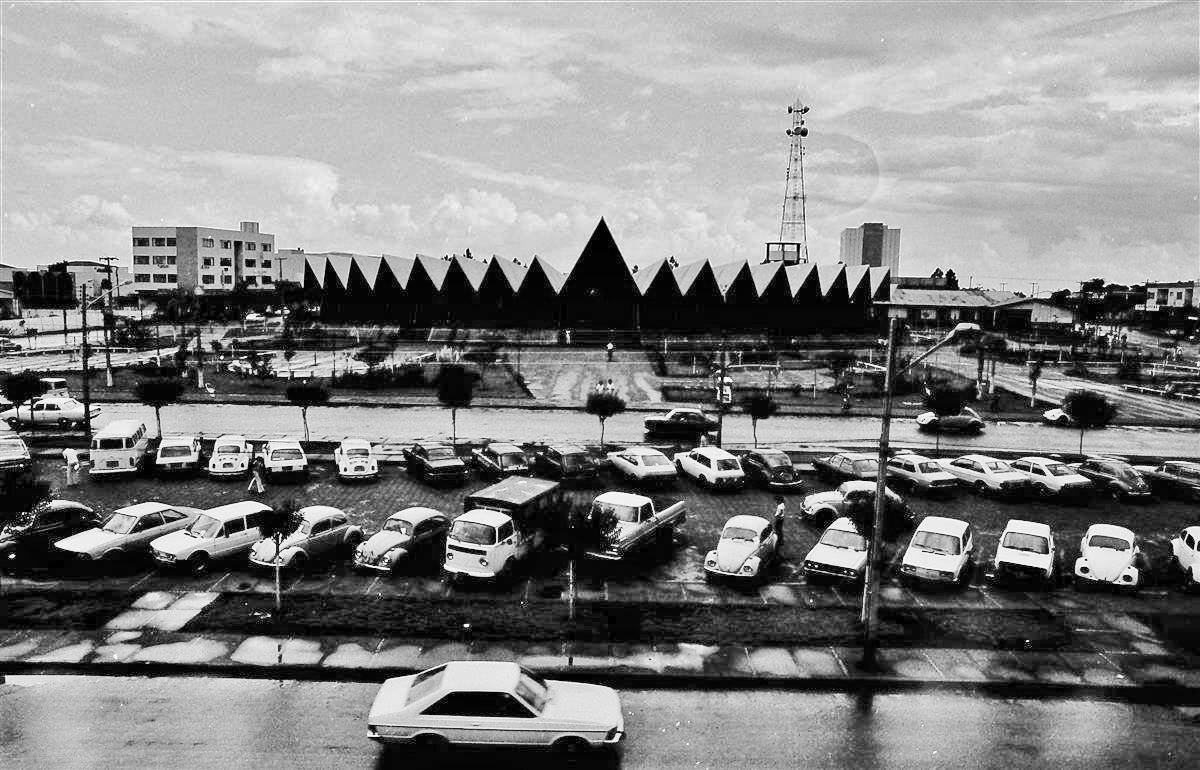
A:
[879, 278]
[726, 273]
[435, 268]
[512, 272]
[316, 263]
[763, 274]
[556, 278]
[645, 276]
[369, 267]
[473, 269]
[855, 276]
[797, 275]
[827, 275]
[400, 267]
[687, 273]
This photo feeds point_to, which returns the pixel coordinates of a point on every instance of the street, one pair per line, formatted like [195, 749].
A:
[71, 721]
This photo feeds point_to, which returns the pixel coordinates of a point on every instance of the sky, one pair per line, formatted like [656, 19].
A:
[1016, 143]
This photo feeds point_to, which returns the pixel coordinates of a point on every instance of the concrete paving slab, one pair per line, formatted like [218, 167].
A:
[437, 654]
[115, 653]
[269, 651]
[773, 661]
[699, 592]
[736, 661]
[350, 655]
[132, 620]
[170, 620]
[154, 600]
[1142, 670]
[194, 601]
[120, 637]
[999, 665]
[816, 662]
[637, 657]
[397, 655]
[481, 651]
[19, 649]
[1009, 600]
[686, 658]
[955, 665]
[191, 651]
[1095, 669]
[779, 594]
[70, 653]
[1048, 667]
[909, 664]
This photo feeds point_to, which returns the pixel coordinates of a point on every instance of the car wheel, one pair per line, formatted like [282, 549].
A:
[964, 577]
[1062, 422]
[298, 562]
[434, 744]
[198, 564]
[63, 422]
[1117, 493]
[980, 488]
[571, 746]
[1045, 492]
[703, 481]
[353, 541]
[113, 561]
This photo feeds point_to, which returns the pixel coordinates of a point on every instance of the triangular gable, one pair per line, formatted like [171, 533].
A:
[341, 267]
[436, 269]
[646, 275]
[473, 269]
[400, 267]
[855, 276]
[763, 274]
[601, 269]
[798, 275]
[686, 275]
[554, 277]
[879, 277]
[369, 267]
[827, 275]
[316, 263]
[726, 273]
[512, 272]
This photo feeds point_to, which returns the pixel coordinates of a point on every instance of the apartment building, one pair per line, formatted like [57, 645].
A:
[873, 244]
[169, 258]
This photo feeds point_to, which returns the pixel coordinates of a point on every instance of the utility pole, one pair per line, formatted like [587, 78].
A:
[83, 352]
[108, 321]
[721, 401]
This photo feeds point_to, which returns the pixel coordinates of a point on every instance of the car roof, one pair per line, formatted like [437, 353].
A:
[844, 524]
[481, 675]
[858, 485]
[688, 409]
[320, 512]
[1041, 460]
[713, 453]
[416, 514]
[233, 510]
[979, 458]
[1111, 530]
[356, 442]
[500, 447]
[1193, 530]
[640, 450]
[141, 509]
[176, 440]
[916, 458]
[235, 438]
[485, 516]
[567, 449]
[622, 498]
[119, 428]
[1028, 527]
[1182, 464]
[282, 443]
[858, 455]
[768, 451]
[943, 525]
[747, 521]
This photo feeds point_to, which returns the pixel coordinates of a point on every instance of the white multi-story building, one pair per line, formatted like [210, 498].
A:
[873, 244]
[169, 258]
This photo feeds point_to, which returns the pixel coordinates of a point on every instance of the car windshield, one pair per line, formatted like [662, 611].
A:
[777, 460]
[649, 460]
[840, 538]
[728, 464]
[626, 513]
[440, 453]
[119, 523]
[398, 525]
[510, 459]
[228, 449]
[425, 683]
[1107, 541]
[866, 466]
[576, 461]
[358, 452]
[997, 466]
[175, 451]
[533, 692]
[12, 447]
[473, 532]
[739, 533]
[1060, 469]
[1127, 474]
[286, 454]
[204, 527]
[1022, 541]
[929, 467]
[937, 542]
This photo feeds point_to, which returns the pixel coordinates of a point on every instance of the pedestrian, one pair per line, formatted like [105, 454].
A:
[71, 459]
[780, 508]
[609, 348]
[610, 387]
[568, 336]
[256, 484]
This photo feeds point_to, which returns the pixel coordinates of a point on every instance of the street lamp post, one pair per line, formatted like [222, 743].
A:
[83, 354]
[198, 292]
[870, 600]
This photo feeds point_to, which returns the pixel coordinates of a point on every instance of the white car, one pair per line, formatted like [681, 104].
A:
[1185, 555]
[219, 533]
[918, 473]
[404, 534]
[1057, 416]
[127, 531]
[494, 703]
[823, 507]
[285, 458]
[987, 475]
[232, 455]
[1108, 554]
[748, 546]
[1026, 552]
[840, 553]
[355, 459]
[61, 411]
[642, 465]
[322, 532]
[1053, 478]
[712, 466]
[941, 551]
[178, 454]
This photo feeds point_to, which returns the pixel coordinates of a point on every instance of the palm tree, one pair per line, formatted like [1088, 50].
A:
[158, 392]
[455, 389]
[603, 404]
[1088, 409]
[306, 394]
[21, 387]
[281, 521]
[760, 406]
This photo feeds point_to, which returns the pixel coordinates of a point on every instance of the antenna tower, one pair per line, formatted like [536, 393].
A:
[792, 228]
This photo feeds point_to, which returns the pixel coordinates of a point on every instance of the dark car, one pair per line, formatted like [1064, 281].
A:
[771, 469]
[16, 464]
[498, 460]
[680, 423]
[847, 466]
[967, 421]
[1117, 478]
[1175, 478]
[565, 462]
[435, 463]
[29, 537]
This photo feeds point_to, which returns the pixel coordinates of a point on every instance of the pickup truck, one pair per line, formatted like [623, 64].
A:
[640, 523]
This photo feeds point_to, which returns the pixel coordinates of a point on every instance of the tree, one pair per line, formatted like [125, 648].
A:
[951, 280]
[760, 406]
[283, 519]
[944, 400]
[21, 387]
[372, 356]
[158, 392]
[897, 516]
[307, 394]
[455, 389]
[1035, 373]
[484, 352]
[603, 404]
[1088, 409]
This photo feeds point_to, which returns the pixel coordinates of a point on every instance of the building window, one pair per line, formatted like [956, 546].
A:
[227, 279]
[227, 244]
[266, 263]
[266, 279]
[208, 243]
[160, 241]
[250, 263]
[206, 262]
[267, 247]
[251, 280]
[206, 279]
[171, 259]
[141, 278]
[172, 278]
[251, 245]
[160, 277]
[141, 241]
[226, 262]
[141, 259]
[170, 241]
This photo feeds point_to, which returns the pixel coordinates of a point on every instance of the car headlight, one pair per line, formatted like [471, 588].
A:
[449, 556]
[482, 562]
[747, 567]
[1083, 570]
[907, 568]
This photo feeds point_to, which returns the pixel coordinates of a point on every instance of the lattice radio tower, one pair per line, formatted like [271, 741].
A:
[792, 228]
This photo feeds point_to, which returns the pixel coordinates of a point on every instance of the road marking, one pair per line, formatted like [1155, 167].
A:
[220, 580]
[371, 587]
[749, 661]
[988, 596]
[837, 595]
[605, 590]
[841, 663]
[935, 666]
[145, 577]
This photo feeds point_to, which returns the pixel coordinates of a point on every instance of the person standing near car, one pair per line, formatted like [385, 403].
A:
[780, 512]
[71, 459]
[256, 484]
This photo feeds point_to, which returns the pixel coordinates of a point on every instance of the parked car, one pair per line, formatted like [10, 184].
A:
[847, 466]
[404, 534]
[918, 473]
[1109, 555]
[285, 459]
[1174, 478]
[565, 462]
[495, 704]
[16, 464]
[355, 460]
[1116, 477]
[967, 421]
[772, 469]
[1053, 478]
[712, 466]
[840, 553]
[642, 465]
[823, 507]
[1026, 553]
[987, 475]
[225, 532]
[502, 526]
[232, 455]
[28, 538]
[941, 551]
[1057, 416]
[1185, 556]
[119, 448]
[435, 463]
[60, 411]
[497, 460]
[747, 549]
[178, 454]
[641, 525]
[323, 531]
[127, 532]
[684, 422]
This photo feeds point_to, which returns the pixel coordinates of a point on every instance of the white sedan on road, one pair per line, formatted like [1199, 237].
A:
[1108, 554]
[1053, 478]
[712, 466]
[127, 532]
[987, 475]
[60, 411]
[1026, 552]
[494, 703]
[642, 465]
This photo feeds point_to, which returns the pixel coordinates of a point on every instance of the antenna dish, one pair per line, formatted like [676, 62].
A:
[803, 110]
[803, 131]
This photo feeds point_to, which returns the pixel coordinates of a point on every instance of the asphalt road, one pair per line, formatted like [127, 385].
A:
[70, 722]
[414, 423]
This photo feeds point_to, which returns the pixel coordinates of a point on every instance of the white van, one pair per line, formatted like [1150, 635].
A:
[219, 533]
[119, 447]
[503, 526]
